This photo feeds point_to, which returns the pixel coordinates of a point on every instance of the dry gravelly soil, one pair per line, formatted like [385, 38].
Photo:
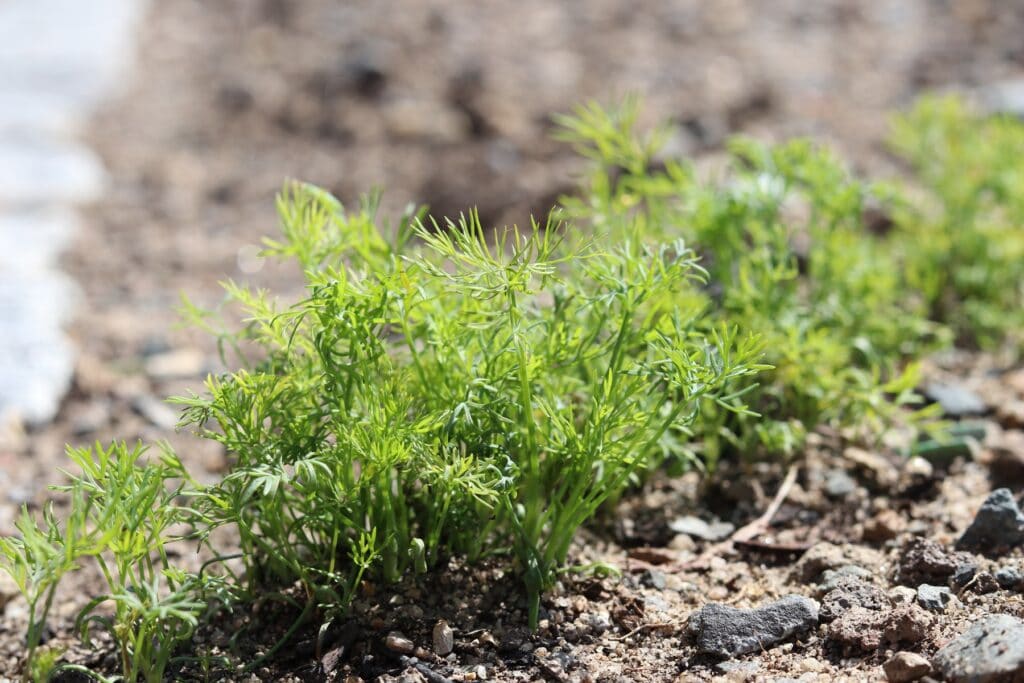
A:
[447, 103]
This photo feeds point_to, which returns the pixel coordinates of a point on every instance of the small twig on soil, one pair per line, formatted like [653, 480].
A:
[658, 626]
[748, 531]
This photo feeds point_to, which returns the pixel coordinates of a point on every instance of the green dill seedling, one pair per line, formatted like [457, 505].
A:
[37, 560]
[134, 502]
[453, 394]
[782, 236]
[964, 239]
[120, 516]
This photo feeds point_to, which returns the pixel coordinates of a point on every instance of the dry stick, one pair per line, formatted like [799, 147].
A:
[749, 531]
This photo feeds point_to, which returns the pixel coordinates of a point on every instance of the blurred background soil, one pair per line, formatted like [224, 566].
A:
[446, 103]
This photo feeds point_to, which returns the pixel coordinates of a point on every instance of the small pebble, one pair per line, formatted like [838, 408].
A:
[177, 364]
[839, 484]
[396, 642]
[919, 467]
[956, 400]
[444, 638]
[902, 595]
[652, 578]
[903, 667]
[934, 598]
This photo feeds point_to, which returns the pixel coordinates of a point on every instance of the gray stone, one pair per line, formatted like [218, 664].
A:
[656, 603]
[992, 649]
[1009, 578]
[728, 631]
[850, 593]
[698, 528]
[831, 578]
[956, 400]
[999, 523]
[839, 484]
[158, 413]
[652, 578]
[934, 598]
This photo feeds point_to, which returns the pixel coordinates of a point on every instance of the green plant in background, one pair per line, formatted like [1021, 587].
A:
[462, 394]
[121, 515]
[965, 235]
[782, 235]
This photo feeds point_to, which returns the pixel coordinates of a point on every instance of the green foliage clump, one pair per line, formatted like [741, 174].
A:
[965, 235]
[122, 511]
[457, 393]
[443, 391]
[782, 234]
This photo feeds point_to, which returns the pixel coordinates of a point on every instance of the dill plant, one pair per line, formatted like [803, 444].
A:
[121, 514]
[964, 234]
[443, 391]
[782, 235]
[448, 391]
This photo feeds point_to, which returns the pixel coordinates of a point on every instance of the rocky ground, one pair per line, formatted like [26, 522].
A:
[448, 103]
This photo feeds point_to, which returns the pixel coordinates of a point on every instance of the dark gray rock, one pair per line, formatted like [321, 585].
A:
[727, 631]
[934, 598]
[963, 574]
[956, 400]
[839, 484]
[992, 649]
[849, 593]
[1010, 578]
[998, 524]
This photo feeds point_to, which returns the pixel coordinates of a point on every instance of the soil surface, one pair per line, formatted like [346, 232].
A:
[449, 104]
